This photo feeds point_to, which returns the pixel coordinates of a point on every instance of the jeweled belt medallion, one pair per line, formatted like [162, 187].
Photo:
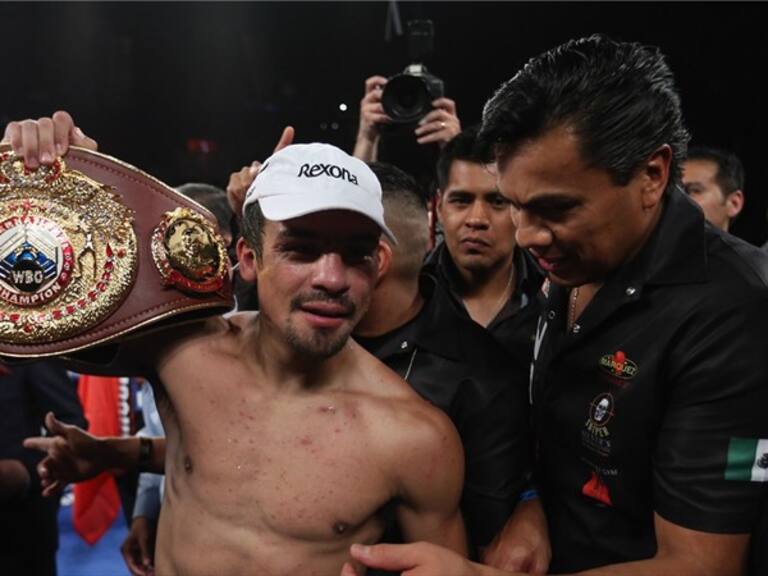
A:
[67, 252]
[188, 252]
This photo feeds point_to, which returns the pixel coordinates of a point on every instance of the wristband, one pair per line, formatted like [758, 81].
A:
[528, 495]
[145, 455]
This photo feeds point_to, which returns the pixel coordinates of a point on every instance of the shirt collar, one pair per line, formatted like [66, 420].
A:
[433, 328]
[676, 251]
[528, 277]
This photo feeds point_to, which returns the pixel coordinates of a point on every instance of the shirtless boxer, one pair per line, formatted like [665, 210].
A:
[286, 441]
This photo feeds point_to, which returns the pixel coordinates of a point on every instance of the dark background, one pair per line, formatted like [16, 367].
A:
[150, 81]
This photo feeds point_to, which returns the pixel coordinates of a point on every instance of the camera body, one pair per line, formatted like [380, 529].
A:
[408, 96]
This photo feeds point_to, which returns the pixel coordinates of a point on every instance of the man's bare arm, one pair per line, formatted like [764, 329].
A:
[73, 455]
[686, 552]
[431, 476]
[523, 542]
[681, 551]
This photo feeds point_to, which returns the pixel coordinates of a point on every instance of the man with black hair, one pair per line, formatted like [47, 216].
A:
[714, 179]
[488, 278]
[649, 379]
[411, 326]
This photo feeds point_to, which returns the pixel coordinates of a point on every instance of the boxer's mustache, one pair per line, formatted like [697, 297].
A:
[318, 296]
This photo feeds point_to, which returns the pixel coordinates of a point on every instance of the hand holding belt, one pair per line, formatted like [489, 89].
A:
[92, 249]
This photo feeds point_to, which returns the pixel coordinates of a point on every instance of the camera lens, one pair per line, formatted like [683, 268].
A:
[406, 98]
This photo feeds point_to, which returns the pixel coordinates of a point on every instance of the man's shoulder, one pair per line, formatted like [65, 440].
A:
[392, 406]
[736, 265]
[189, 342]
[410, 432]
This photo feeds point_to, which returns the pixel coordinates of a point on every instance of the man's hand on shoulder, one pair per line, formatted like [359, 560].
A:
[41, 141]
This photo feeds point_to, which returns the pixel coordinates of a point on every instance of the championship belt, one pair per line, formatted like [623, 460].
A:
[92, 249]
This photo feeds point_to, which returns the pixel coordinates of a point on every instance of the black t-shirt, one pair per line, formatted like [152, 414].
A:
[459, 367]
[515, 324]
[656, 400]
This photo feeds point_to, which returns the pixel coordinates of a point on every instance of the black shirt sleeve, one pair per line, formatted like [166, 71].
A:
[717, 390]
[492, 418]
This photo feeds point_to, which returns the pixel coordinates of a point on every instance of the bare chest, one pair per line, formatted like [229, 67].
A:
[298, 468]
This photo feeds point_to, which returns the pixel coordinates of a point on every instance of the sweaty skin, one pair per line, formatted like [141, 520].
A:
[286, 479]
[286, 441]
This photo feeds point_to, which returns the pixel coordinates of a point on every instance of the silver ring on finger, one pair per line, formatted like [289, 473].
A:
[442, 125]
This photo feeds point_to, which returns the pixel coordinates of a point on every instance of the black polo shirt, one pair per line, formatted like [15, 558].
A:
[459, 367]
[655, 399]
[515, 324]
[29, 524]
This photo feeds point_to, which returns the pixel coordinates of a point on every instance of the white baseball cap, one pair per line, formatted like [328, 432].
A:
[303, 179]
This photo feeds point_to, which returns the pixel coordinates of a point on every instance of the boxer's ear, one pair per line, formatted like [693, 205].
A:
[248, 261]
[384, 254]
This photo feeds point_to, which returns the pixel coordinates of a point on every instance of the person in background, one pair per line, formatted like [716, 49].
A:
[29, 522]
[714, 179]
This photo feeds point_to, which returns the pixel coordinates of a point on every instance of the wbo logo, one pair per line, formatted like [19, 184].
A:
[619, 366]
[315, 170]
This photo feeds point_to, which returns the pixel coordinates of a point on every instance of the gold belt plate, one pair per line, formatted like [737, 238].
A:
[68, 252]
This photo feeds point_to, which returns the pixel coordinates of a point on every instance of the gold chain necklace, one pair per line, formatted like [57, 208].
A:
[572, 308]
[503, 298]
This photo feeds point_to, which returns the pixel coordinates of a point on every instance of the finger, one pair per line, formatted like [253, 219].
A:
[375, 83]
[45, 140]
[540, 563]
[379, 119]
[13, 136]
[385, 556]
[145, 549]
[43, 471]
[63, 124]
[236, 199]
[431, 127]
[434, 116]
[439, 136]
[41, 443]
[54, 489]
[373, 108]
[372, 97]
[55, 426]
[286, 139]
[78, 138]
[127, 550]
[134, 564]
[446, 104]
[29, 148]
[347, 570]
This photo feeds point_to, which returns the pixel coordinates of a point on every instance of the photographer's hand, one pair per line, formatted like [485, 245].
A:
[371, 115]
[440, 125]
